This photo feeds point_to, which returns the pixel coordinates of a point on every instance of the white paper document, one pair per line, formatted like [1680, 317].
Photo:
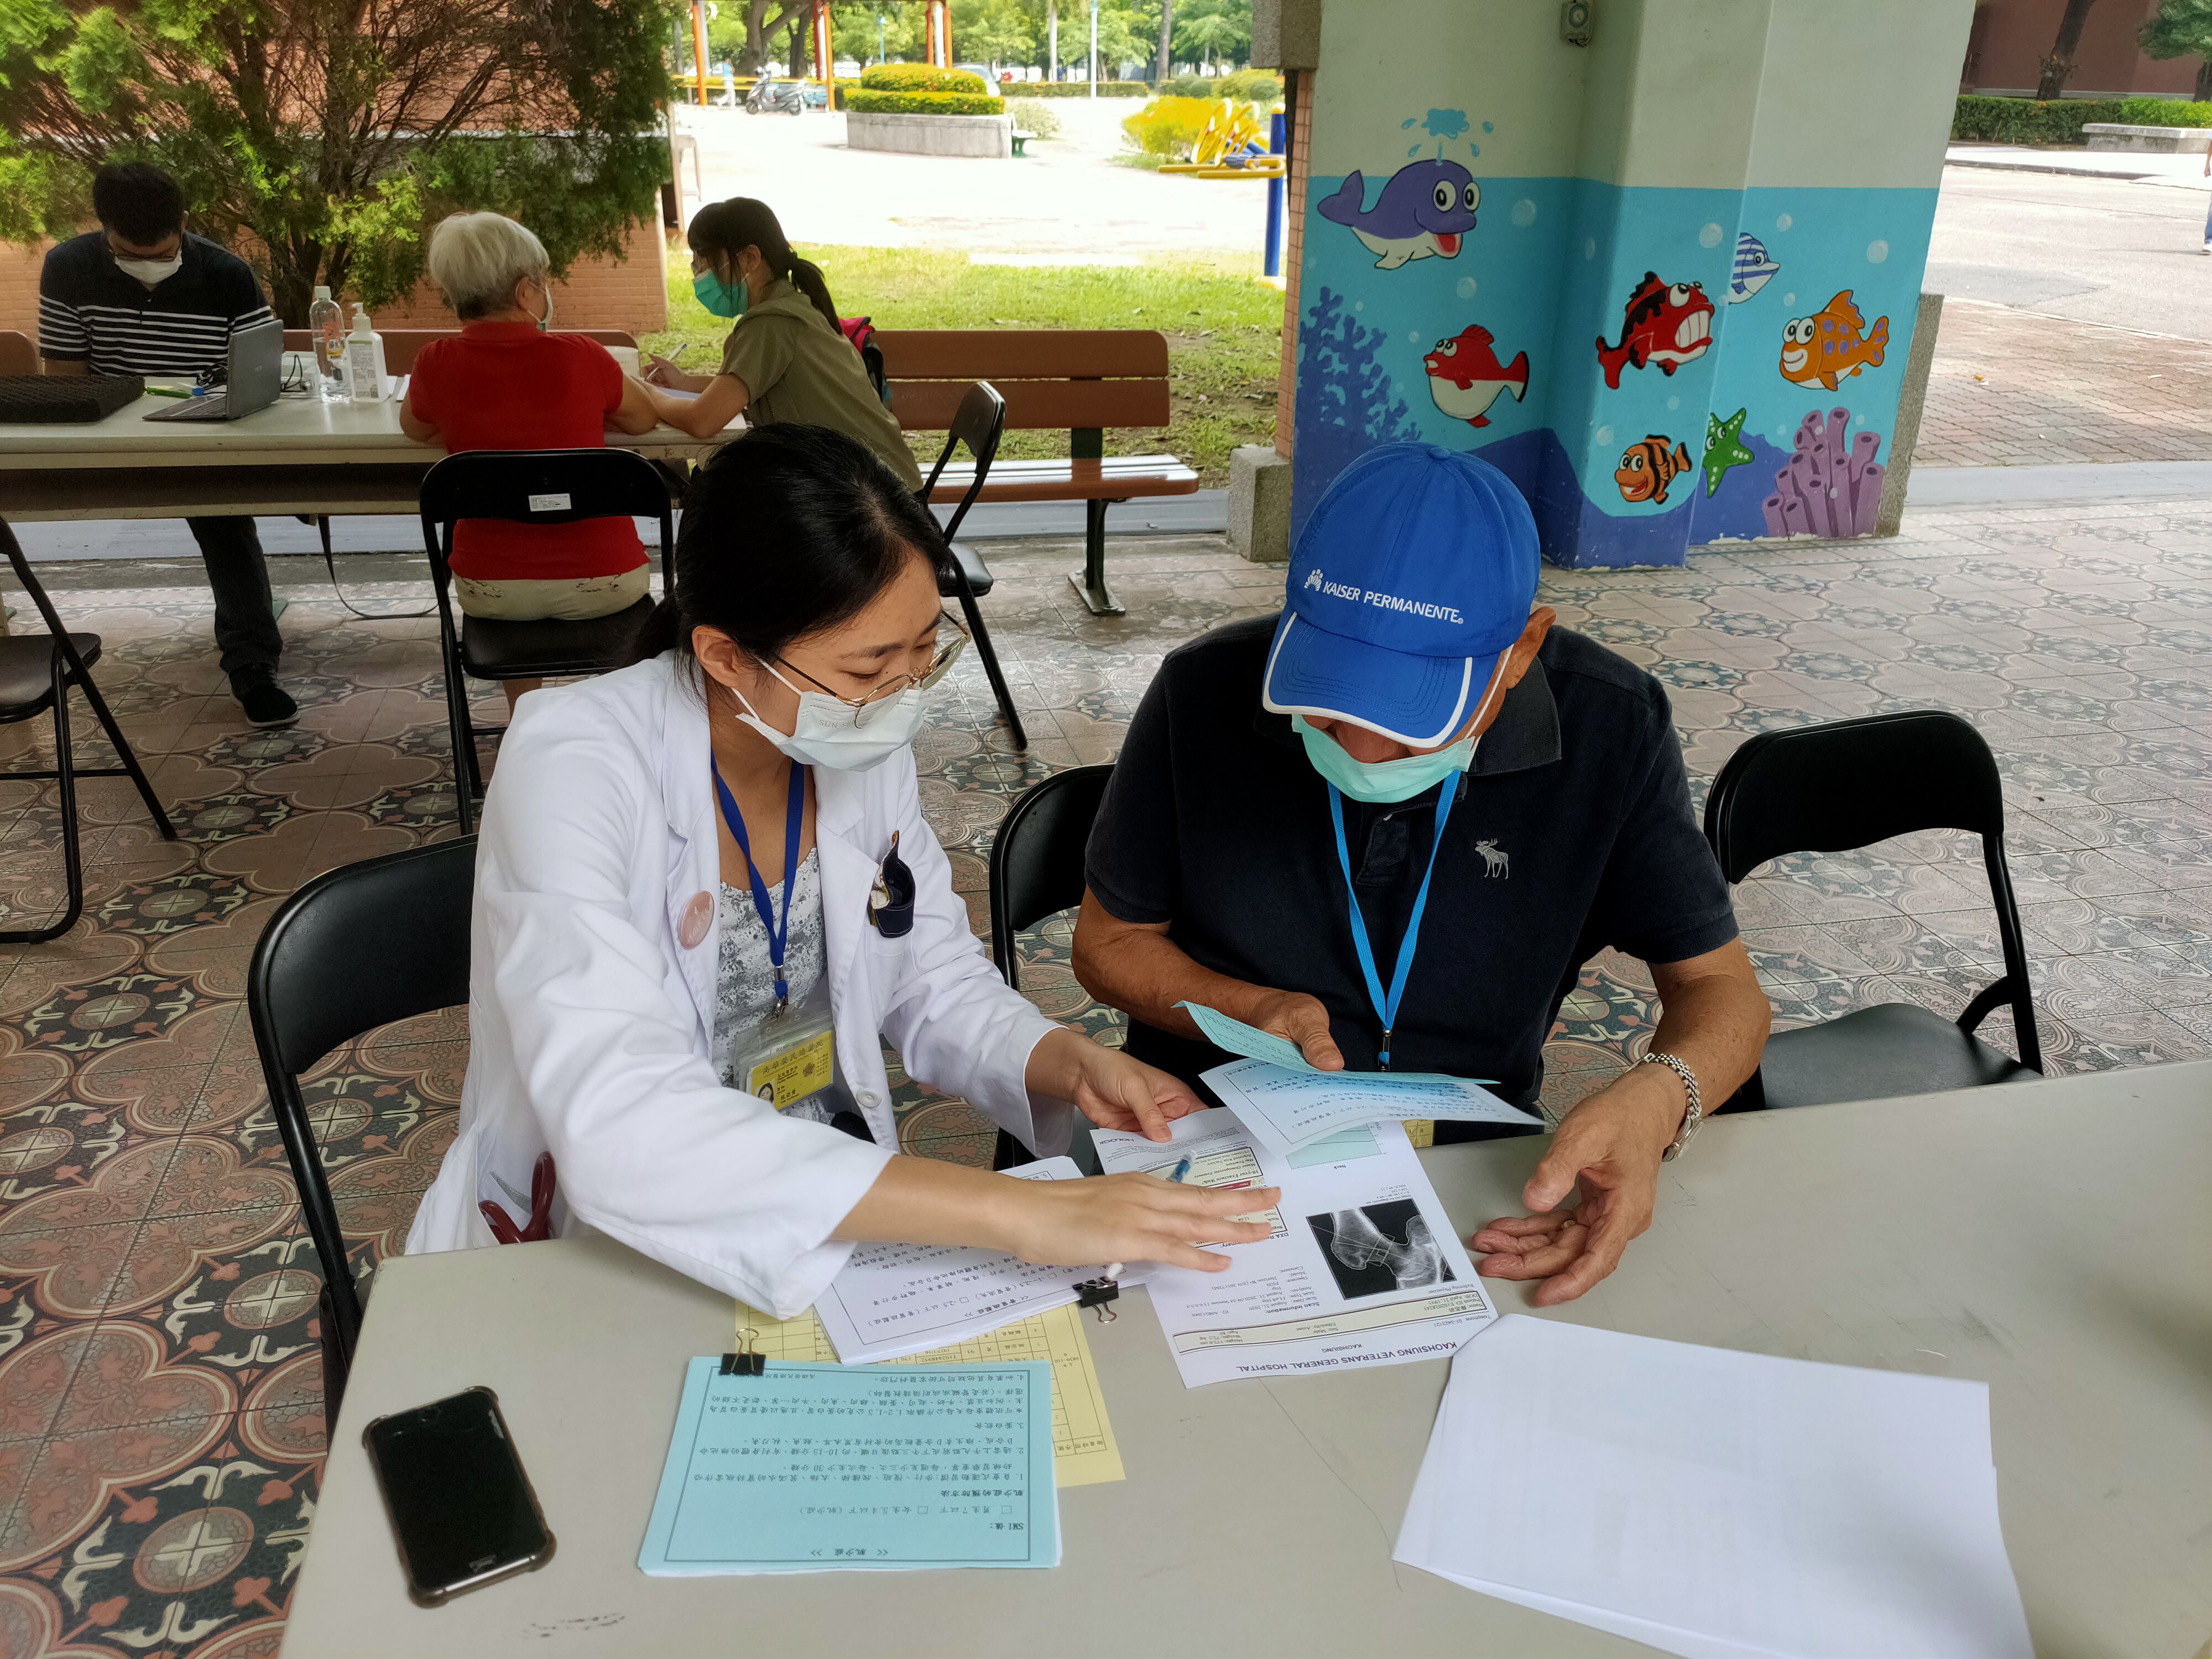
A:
[1289, 1109]
[891, 1300]
[1362, 1267]
[1715, 1504]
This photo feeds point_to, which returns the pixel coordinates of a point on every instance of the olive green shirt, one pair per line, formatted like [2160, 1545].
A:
[796, 367]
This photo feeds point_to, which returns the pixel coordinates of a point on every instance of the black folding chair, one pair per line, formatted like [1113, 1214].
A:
[980, 423]
[536, 487]
[36, 671]
[1839, 787]
[364, 945]
[1036, 871]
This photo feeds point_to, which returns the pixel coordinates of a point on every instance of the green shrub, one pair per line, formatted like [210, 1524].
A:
[866, 102]
[2165, 112]
[1169, 126]
[1253, 86]
[1082, 89]
[1034, 115]
[1190, 86]
[921, 77]
[2024, 121]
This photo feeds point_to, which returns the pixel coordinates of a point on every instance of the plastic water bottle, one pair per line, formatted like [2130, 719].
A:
[326, 323]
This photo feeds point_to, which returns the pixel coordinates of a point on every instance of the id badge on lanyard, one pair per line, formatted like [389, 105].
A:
[791, 1056]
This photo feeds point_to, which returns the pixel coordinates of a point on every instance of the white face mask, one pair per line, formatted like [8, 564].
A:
[152, 272]
[545, 322]
[827, 733]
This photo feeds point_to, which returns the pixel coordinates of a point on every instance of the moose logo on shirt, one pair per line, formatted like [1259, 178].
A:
[1495, 864]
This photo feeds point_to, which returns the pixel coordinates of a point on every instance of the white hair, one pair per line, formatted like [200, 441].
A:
[478, 257]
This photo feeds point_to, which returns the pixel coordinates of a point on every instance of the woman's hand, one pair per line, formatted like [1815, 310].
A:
[663, 371]
[1129, 1217]
[1108, 1087]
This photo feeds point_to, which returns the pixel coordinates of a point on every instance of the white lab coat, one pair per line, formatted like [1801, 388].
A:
[589, 1022]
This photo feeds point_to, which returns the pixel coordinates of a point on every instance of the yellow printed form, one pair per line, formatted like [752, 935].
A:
[1083, 1452]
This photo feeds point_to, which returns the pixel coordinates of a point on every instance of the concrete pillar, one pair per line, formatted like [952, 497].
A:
[1259, 504]
[1659, 215]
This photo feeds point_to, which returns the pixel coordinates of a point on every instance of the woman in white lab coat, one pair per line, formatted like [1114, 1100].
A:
[704, 890]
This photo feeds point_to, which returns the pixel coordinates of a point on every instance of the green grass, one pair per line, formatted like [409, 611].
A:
[1224, 327]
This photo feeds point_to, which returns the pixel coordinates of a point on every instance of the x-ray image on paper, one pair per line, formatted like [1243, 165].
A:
[1379, 1248]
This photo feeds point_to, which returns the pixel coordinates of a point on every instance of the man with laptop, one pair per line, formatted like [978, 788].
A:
[143, 295]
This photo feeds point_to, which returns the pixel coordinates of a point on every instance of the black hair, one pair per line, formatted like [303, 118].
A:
[729, 228]
[138, 202]
[788, 530]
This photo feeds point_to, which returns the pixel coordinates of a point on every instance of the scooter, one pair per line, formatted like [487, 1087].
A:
[770, 96]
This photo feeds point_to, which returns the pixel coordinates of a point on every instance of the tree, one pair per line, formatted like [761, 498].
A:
[2183, 28]
[323, 138]
[1167, 33]
[1213, 31]
[2059, 65]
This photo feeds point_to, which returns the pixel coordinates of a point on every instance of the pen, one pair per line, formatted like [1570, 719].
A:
[167, 391]
[1180, 1170]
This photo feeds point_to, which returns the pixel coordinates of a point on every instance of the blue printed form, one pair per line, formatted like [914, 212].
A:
[811, 1469]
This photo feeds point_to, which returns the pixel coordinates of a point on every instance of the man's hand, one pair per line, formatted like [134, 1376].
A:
[1610, 1145]
[1299, 1018]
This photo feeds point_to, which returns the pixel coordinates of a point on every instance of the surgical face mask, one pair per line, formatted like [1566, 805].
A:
[721, 299]
[545, 322]
[152, 272]
[834, 734]
[1380, 782]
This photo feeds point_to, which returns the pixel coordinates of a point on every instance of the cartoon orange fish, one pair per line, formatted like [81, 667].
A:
[1646, 469]
[1834, 342]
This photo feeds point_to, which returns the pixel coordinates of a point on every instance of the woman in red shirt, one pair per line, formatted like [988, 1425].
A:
[505, 382]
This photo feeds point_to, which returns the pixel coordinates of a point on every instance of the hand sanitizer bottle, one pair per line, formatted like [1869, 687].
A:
[364, 360]
[326, 323]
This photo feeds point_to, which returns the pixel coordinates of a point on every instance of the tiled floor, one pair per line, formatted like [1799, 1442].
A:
[159, 1403]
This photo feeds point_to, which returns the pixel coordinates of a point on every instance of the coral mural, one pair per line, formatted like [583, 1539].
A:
[1346, 404]
[1830, 487]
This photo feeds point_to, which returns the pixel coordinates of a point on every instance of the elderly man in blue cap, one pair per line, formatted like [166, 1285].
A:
[1392, 825]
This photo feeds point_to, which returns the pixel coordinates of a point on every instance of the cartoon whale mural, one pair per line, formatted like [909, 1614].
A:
[1465, 376]
[1426, 208]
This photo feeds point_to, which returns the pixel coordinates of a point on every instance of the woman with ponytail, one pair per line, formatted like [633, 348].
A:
[785, 359]
[706, 896]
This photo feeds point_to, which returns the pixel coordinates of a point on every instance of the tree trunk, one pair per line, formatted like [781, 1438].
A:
[1167, 29]
[1052, 46]
[2204, 80]
[798, 50]
[2057, 67]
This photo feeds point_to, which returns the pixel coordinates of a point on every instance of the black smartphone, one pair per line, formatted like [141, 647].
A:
[461, 1508]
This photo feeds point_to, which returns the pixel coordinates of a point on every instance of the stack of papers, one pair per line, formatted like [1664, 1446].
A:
[1361, 1266]
[810, 1468]
[1289, 1105]
[1717, 1505]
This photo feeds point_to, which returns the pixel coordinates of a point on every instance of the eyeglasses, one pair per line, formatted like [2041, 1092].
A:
[867, 705]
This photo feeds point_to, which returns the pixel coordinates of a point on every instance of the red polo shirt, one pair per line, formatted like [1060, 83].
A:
[506, 385]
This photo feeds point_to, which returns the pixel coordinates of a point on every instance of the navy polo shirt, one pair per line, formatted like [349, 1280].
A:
[1574, 832]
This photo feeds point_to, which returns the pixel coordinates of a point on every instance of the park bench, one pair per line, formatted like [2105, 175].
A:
[1079, 380]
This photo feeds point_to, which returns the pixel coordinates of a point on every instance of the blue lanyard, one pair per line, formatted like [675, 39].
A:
[777, 930]
[1386, 1008]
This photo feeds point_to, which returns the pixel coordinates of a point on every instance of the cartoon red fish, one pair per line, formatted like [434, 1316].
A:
[1668, 325]
[1646, 469]
[1834, 342]
[1465, 376]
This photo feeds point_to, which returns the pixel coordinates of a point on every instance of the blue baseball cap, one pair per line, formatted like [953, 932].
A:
[1414, 576]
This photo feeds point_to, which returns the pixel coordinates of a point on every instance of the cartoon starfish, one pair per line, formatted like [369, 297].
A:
[1723, 448]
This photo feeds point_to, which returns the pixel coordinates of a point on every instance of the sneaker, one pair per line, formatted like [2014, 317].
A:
[268, 704]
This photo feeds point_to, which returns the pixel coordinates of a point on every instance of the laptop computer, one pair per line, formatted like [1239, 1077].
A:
[255, 374]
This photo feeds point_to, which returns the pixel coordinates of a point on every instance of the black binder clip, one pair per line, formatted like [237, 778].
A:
[1099, 1293]
[745, 1362]
[890, 901]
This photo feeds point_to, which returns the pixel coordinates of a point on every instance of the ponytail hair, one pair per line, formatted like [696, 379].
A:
[729, 228]
[786, 532]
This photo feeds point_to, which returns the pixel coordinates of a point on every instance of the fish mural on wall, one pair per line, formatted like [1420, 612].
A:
[1425, 208]
[1725, 448]
[1833, 343]
[1465, 376]
[1647, 468]
[1666, 323]
[1753, 270]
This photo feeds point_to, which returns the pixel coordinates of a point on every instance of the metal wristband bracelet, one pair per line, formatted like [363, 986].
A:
[1692, 1115]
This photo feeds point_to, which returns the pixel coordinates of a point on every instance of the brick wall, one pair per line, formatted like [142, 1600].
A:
[630, 293]
[1294, 241]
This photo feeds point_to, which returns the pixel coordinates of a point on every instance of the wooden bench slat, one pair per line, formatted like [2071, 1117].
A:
[1116, 478]
[1020, 354]
[930, 406]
